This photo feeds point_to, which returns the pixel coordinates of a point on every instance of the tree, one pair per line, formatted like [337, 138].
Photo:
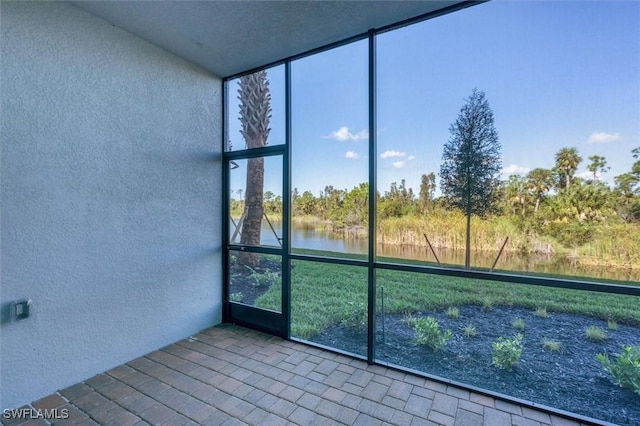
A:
[515, 193]
[397, 202]
[471, 162]
[427, 191]
[567, 161]
[539, 182]
[628, 190]
[255, 114]
[356, 206]
[307, 203]
[598, 164]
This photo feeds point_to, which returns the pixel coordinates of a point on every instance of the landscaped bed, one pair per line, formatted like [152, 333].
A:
[568, 377]
[557, 366]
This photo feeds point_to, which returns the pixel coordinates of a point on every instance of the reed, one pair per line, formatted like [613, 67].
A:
[614, 245]
[447, 230]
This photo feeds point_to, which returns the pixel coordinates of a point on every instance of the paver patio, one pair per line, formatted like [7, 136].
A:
[230, 375]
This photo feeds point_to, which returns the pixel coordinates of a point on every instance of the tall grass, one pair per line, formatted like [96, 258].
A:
[447, 230]
[613, 245]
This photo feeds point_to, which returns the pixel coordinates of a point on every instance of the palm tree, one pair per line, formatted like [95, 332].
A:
[539, 182]
[567, 161]
[255, 114]
[516, 193]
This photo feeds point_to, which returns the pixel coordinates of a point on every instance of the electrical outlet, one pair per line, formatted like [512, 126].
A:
[21, 309]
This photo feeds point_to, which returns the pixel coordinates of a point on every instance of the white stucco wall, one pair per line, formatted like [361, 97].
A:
[110, 197]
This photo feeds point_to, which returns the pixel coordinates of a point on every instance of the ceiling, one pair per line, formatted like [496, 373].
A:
[229, 37]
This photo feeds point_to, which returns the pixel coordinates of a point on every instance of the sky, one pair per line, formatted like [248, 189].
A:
[556, 74]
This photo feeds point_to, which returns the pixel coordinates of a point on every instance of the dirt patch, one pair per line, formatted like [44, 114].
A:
[570, 378]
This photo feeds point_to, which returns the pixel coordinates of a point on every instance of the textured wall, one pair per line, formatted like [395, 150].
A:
[110, 197]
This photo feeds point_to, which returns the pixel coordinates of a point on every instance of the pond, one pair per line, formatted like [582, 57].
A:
[311, 238]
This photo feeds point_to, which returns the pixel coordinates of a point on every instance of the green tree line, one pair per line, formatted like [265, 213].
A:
[551, 202]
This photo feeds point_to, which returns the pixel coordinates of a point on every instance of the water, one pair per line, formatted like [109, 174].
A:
[308, 238]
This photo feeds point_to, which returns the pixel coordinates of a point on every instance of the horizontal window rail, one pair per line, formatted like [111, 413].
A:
[255, 249]
[264, 151]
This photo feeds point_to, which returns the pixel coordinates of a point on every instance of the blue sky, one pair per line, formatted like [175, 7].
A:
[556, 74]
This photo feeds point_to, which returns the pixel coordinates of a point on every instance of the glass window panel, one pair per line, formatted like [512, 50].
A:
[264, 109]
[255, 202]
[566, 127]
[255, 280]
[557, 363]
[330, 152]
[329, 305]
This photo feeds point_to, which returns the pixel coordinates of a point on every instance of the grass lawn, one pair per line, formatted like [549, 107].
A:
[324, 294]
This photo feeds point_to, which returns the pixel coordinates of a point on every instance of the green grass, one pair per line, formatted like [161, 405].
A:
[320, 293]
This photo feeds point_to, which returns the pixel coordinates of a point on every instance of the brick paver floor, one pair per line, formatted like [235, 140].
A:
[229, 375]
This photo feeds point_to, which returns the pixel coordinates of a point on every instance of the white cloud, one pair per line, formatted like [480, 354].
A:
[589, 175]
[391, 153]
[343, 134]
[351, 155]
[603, 137]
[411, 157]
[514, 169]
[399, 164]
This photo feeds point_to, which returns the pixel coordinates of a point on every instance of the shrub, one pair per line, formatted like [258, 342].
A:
[507, 351]
[541, 312]
[453, 313]
[595, 334]
[551, 345]
[236, 297]
[625, 370]
[487, 303]
[266, 279]
[428, 331]
[355, 317]
[518, 324]
[470, 331]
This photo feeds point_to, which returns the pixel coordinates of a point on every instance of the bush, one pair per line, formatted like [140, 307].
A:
[236, 297]
[264, 279]
[625, 370]
[487, 304]
[355, 318]
[595, 334]
[542, 312]
[470, 331]
[428, 331]
[518, 324]
[551, 345]
[507, 351]
[453, 313]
